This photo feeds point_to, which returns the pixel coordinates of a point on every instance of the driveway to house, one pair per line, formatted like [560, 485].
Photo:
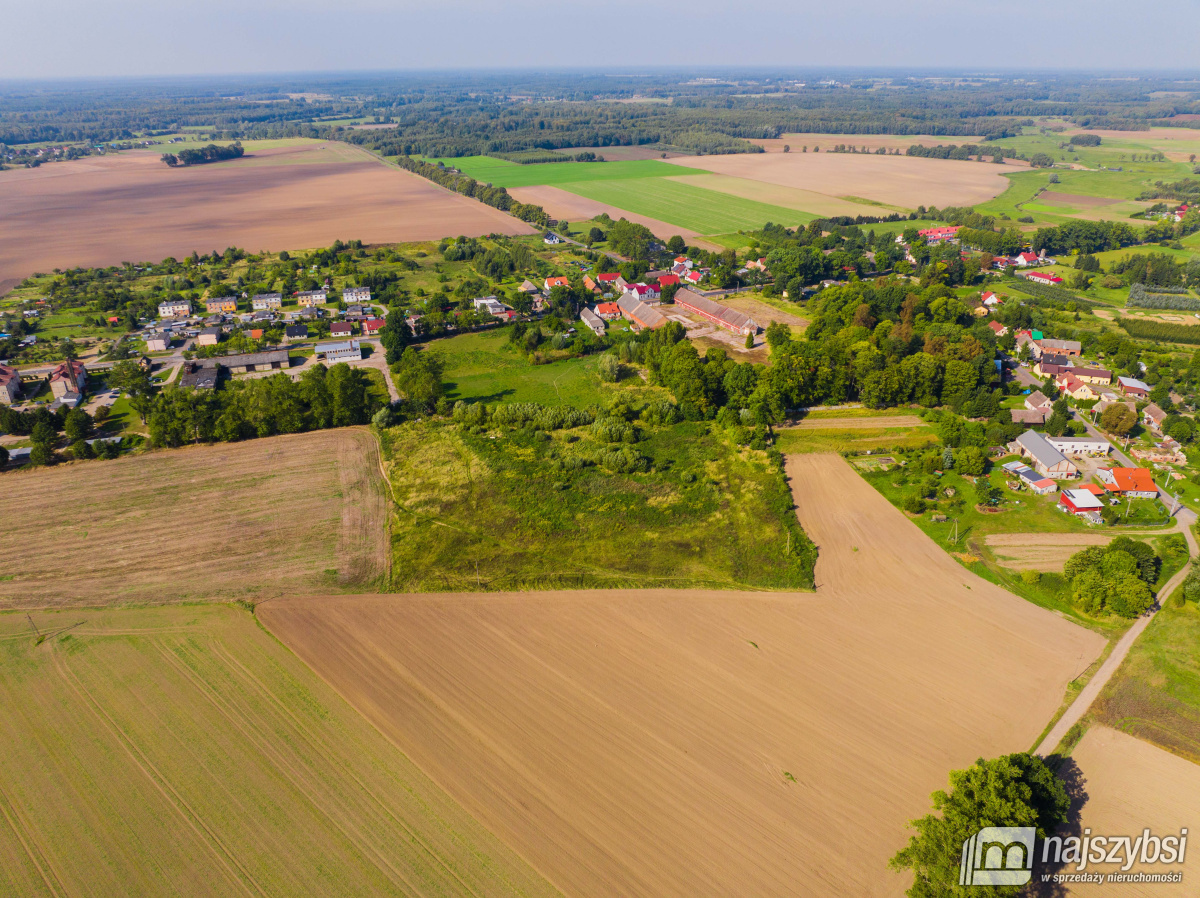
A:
[1096, 684]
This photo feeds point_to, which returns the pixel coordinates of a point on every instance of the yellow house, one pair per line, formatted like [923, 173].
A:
[221, 304]
[1075, 388]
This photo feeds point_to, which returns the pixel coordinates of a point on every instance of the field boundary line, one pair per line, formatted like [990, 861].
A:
[300, 782]
[317, 745]
[160, 782]
[5, 804]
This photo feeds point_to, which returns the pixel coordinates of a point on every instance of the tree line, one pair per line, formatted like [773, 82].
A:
[210, 153]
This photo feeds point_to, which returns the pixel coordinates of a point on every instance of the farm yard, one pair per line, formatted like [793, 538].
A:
[207, 523]
[718, 756]
[184, 751]
[287, 195]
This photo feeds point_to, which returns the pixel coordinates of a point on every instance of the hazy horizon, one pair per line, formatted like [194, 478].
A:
[69, 39]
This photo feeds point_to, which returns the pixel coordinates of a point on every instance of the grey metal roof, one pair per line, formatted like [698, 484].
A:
[1035, 444]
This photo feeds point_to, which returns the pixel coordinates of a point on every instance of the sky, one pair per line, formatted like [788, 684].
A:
[87, 39]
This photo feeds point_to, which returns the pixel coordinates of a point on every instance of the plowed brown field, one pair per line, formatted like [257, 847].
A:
[905, 181]
[205, 523]
[708, 743]
[1132, 785]
[131, 207]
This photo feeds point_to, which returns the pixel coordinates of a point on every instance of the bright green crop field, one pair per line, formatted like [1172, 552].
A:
[503, 173]
[695, 208]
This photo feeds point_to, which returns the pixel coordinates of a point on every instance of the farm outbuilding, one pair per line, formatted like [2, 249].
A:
[731, 320]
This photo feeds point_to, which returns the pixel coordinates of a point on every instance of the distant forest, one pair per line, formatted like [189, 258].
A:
[475, 113]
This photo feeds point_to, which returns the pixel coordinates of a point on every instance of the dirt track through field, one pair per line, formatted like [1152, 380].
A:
[905, 181]
[708, 743]
[1132, 785]
[204, 523]
[133, 208]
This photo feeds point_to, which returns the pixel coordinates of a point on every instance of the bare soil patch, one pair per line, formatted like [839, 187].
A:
[1074, 199]
[563, 205]
[1132, 785]
[205, 523]
[690, 742]
[904, 181]
[132, 207]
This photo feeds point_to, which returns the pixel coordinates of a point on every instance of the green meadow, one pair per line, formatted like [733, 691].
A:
[502, 173]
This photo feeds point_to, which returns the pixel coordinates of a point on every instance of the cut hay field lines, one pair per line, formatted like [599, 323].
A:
[858, 422]
[745, 742]
[778, 195]
[132, 762]
[905, 181]
[502, 173]
[229, 521]
[701, 210]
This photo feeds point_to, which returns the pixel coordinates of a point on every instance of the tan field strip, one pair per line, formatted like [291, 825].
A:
[564, 205]
[132, 208]
[788, 197]
[1132, 785]
[859, 423]
[905, 181]
[183, 751]
[1048, 552]
[708, 743]
[228, 521]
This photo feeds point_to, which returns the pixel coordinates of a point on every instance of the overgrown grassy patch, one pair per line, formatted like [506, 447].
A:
[499, 508]
[1155, 694]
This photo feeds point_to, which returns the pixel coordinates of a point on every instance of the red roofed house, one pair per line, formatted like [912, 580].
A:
[69, 377]
[1181, 212]
[668, 280]
[694, 277]
[556, 282]
[1081, 502]
[609, 311]
[991, 300]
[1074, 387]
[1041, 277]
[684, 261]
[256, 333]
[940, 235]
[997, 328]
[373, 325]
[608, 277]
[644, 292]
[1137, 483]
[590, 284]
[1024, 259]
[10, 385]
[341, 329]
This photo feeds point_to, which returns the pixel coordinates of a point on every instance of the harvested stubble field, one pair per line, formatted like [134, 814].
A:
[690, 742]
[1131, 786]
[904, 181]
[184, 751]
[1048, 552]
[230, 521]
[132, 207]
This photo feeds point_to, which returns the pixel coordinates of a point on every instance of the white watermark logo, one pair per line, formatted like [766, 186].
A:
[998, 856]
[1003, 856]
